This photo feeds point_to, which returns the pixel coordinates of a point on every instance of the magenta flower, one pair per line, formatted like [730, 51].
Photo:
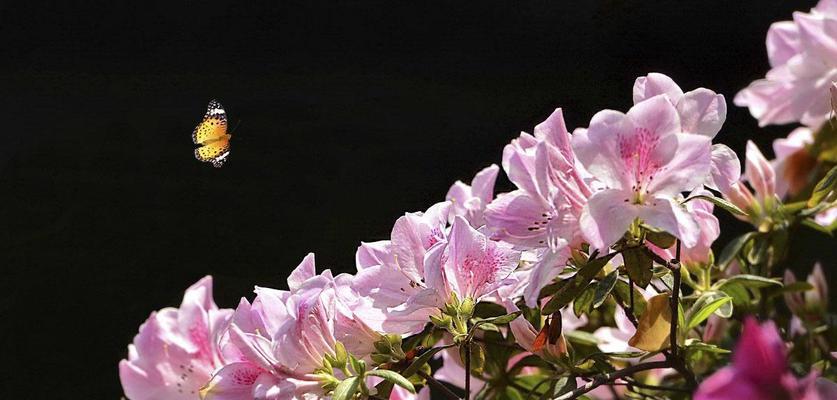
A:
[470, 201]
[759, 370]
[803, 60]
[176, 352]
[552, 189]
[276, 344]
[645, 161]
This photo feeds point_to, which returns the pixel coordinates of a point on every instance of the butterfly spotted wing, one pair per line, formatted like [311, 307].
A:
[211, 134]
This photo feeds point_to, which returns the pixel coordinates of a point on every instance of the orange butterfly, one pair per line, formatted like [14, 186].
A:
[211, 134]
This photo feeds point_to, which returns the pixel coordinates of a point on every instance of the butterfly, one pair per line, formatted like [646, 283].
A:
[211, 135]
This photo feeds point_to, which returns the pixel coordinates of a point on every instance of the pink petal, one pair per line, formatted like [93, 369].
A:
[759, 172]
[725, 169]
[690, 166]
[702, 112]
[782, 42]
[666, 213]
[607, 217]
[303, 272]
[233, 382]
[646, 87]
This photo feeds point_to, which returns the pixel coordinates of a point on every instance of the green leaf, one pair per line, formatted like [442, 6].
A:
[477, 357]
[824, 187]
[346, 389]
[706, 309]
[393, 377]
[731, 250]
[751, 281]
[694, 344]
[503, 319]
[799, 286]
[621, 290]
[604, 287]
[423, 359]
[563, 385]
[828, 230]
[582, 303]
[726, 205]
[576, 285]
[581, 337]
[638, 263]
[661, 239]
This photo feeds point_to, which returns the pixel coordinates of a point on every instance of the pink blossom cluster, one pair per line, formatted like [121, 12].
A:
[576, 193]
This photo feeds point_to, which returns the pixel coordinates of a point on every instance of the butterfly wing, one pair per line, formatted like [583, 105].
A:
[215, 151]
[213, 126]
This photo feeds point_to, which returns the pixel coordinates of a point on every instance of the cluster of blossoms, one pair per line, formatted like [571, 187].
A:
[594, 277]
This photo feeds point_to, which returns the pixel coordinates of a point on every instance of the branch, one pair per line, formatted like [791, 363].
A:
[610, 377]
[438, 385]
[467, 369]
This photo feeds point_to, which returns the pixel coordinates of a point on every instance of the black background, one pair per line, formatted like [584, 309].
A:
[351, 114]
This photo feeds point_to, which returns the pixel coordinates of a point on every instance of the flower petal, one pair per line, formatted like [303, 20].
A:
[653, 84]
[607, 217]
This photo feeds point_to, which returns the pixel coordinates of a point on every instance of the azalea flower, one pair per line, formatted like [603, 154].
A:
[701, 111]
[803, 61]
[759, 370]
[709, 228]
[552, 189]
[645, 161]
[470, 201]
[176, 352]
[277, 344]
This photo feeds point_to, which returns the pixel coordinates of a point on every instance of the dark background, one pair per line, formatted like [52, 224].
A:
[351, 114]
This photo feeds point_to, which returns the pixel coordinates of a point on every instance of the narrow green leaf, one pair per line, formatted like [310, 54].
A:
[576, 284]
[346, 389]
[810, 223]
[705, 311]
[720, 202]
[661, 239]
[581, 337]
[393, 377]
[582, 303]
[423, 359]
[638, 263]
[731, 250]
[824, 187]
[604, 287]
[751, 281]
[503, 319]
[621, 290]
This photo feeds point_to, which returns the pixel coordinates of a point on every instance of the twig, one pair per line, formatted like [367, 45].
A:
[467, 369]
[438, 385]
[674, 355]
[610, 377]
[633, 383]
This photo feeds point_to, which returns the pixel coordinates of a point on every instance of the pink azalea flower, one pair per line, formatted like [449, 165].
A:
[391, 273]
[803, 60]
[468, 264]
[176, 352]
[759, 370]
[645, 161]
[552, 189]
[701, 111]
[276, 344]
[709, 227]
[470, 201]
